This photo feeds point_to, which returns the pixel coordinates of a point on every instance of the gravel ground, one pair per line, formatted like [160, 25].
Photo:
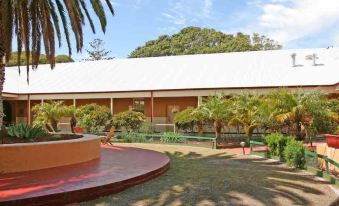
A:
[206, 177]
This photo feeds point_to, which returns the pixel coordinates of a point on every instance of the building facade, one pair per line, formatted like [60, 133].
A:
[161, 86]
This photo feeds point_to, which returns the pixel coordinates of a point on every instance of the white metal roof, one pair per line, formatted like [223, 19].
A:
[224, 70]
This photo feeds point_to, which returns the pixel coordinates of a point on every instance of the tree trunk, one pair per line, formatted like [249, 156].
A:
[298, 131]
[200, 129]
[2, 80]
[54, 124]
[217, 127]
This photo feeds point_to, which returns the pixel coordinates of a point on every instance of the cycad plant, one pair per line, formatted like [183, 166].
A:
[49, 114]
[34, 23]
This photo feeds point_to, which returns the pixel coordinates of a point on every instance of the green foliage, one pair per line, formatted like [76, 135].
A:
[190, 117]
[171, 137]
[48, 114]
[184, 119]
[147, 128]
[133, 137]
[13, 61]
[93, 117]
[131, 120]
[246, 112]
[295, 154]
[276, 143]
[63, 58]
[195, 40]
[25, 131]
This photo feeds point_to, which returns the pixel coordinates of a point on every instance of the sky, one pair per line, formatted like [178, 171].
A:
[293, 23]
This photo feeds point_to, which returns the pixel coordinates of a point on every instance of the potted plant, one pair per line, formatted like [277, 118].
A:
[78, 130]
[332, 140]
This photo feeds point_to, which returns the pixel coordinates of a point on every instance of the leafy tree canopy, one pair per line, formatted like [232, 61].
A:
[195, 40]
[13, 61]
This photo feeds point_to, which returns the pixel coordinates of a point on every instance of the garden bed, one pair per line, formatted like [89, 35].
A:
[22, 157]
[47, 138]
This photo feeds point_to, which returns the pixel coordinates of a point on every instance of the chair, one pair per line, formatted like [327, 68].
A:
[107, 139]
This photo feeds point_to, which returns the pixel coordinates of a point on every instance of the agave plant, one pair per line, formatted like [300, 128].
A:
[25, 131]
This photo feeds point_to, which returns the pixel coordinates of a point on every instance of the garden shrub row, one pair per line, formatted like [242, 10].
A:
[286, 148]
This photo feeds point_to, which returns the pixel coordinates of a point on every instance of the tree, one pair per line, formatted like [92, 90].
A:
[98, 52]
[13, 61]
[190, 117]
[33, 21]
[217, 109]
[307, 113]
[246, 113]
[195, 40]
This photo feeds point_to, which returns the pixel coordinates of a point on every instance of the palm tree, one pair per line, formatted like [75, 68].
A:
[217, 110]
[246, 113]
[33, 21]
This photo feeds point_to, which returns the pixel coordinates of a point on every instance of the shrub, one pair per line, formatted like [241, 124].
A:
[131, 120]
[171, 137]
[25, 131]
[276, 143]
[147, 128]
[295, 154]
[184, 120]
[132, 137]
[93, 117]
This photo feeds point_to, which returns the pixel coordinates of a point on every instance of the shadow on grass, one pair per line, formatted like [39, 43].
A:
[220, 179]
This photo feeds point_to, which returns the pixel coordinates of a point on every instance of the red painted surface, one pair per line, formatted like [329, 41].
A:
[332, 140]
[117, 169]
[78, 130]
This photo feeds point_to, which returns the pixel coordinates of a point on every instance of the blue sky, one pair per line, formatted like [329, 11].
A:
[294, 23]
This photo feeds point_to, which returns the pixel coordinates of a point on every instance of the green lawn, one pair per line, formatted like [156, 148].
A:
[202, 176]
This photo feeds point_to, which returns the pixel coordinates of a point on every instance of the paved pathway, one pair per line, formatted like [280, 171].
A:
[206, 177]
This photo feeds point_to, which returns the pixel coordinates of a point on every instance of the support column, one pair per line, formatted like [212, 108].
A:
[74, 103]
[42, 101]
[199, 101]
[28, 109]
[152, 106]
[112, 108]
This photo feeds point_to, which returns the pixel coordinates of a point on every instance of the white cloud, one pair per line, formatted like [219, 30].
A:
[207, 8]
[183, 13]
[288, 21]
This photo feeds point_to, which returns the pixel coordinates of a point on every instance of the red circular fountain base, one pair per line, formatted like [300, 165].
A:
[117, 169]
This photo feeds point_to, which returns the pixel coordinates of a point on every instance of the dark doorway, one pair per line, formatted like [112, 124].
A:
[8, 113]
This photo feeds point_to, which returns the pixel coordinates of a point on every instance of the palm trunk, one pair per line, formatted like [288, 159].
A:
[298, 132]
[2, 80]
[217, 127]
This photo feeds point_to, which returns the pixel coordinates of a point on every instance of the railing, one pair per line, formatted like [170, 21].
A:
[185, 137]
[322, 157]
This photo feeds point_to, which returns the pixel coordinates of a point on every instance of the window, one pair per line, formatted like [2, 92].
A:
[139, 105]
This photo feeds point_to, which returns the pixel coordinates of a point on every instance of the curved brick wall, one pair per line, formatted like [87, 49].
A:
[42, 155]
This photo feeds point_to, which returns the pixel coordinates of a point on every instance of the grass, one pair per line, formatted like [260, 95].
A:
[202, 176]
